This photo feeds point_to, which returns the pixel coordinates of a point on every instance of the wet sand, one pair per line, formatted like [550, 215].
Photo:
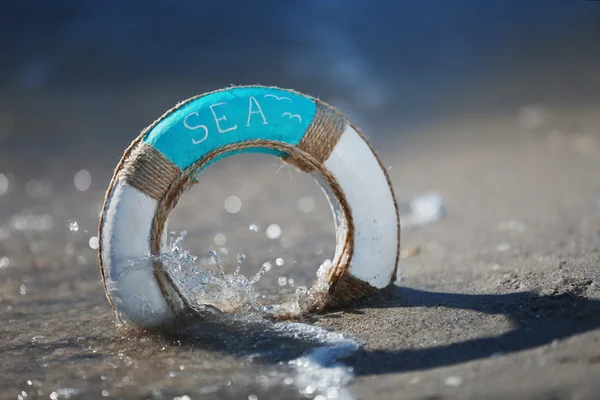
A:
[500, 299]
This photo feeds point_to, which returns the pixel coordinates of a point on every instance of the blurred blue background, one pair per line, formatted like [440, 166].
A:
[82, 76]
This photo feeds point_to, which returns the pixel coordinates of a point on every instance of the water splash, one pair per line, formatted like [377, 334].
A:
[316, 370]
[321, 373]
[230, 292]
[424, 210]
[73, 226]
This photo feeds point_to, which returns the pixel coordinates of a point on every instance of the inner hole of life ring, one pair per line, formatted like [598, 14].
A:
[259, 206]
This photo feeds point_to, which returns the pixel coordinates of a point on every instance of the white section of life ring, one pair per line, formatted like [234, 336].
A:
[128, 271]
[375, 221]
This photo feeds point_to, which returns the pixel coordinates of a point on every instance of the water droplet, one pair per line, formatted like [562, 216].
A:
[4, 262]
[46, 222]
[215, 256]
[301, 291]
[93, 242]
[4, 184]
[253, 397]
[266, 267]
[69, 248]
[220, 239]
[291, 281]
[23, 290]
[253, 227]
[273, 231]
[425, 209]
[105, 393]
[32, 222]
[453, 381]
[306, 204]
[233, 204]
[38, 339]
[4, 233]
[286, 243]
[279, 262]
[282, 281]
[82, 180]
[73, 226]
[37, 188]
[67, 393]
[238, 268]
[502, 247]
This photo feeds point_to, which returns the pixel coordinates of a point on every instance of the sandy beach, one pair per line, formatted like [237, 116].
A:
[499, 299]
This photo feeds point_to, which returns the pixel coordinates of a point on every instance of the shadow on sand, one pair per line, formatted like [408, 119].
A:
[538, 320]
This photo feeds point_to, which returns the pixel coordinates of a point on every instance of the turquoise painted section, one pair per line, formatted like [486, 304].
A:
[220, 157]
[231, 116]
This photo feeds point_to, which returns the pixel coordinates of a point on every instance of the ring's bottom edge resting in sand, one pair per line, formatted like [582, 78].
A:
[167, 157]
